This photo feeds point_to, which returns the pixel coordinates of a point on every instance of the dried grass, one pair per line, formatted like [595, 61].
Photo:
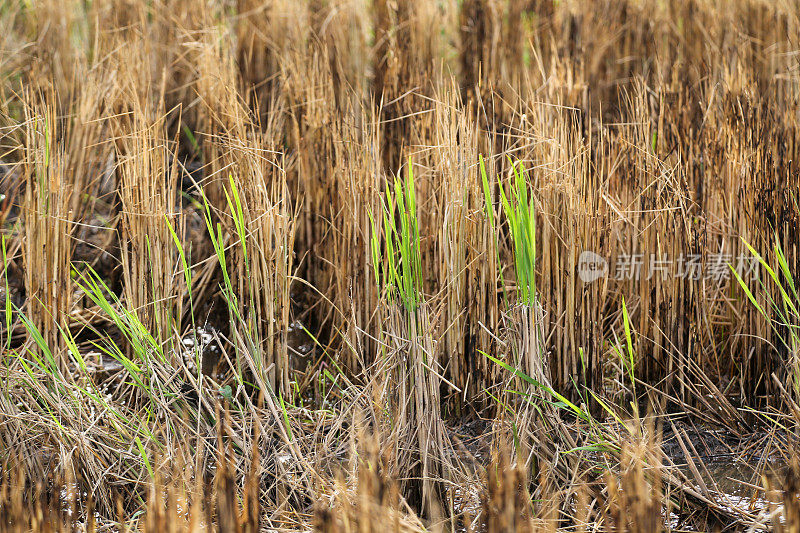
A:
[214, 202]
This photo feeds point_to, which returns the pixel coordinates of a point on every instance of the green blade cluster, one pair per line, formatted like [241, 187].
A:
[398, 270]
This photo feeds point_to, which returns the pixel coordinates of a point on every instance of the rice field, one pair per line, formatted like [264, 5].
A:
[400, 265]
